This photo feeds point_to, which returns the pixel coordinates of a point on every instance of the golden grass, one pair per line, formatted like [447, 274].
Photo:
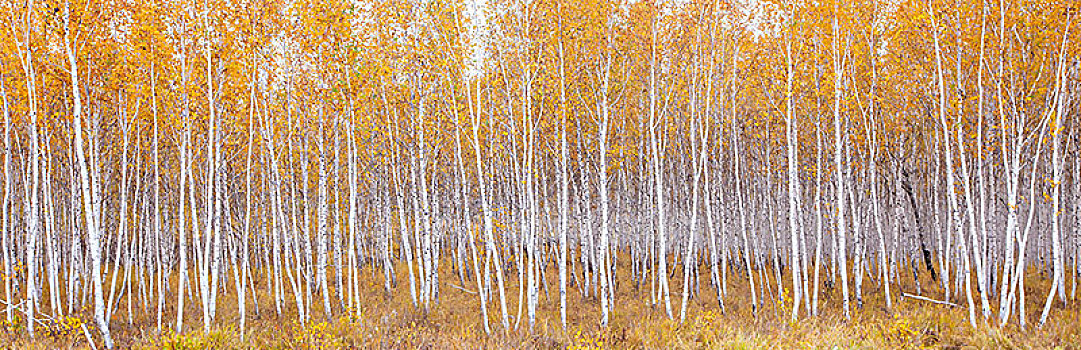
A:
[391, 322]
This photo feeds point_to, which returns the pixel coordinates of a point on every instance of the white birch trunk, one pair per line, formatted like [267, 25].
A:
[951, 194]
[748, 250]
[658, 175]
[1058, 281]
[6, 211]
[489, 236]
[794, 224]
[602, 185]
[91, 203]
[564, 188]
[839, 167]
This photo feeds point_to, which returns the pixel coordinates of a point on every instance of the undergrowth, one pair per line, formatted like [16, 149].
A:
[391, 321]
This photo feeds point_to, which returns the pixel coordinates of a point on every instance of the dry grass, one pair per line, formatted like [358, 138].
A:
[391, 322]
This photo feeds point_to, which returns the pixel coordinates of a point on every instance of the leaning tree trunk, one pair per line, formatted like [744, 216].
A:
[91, 203]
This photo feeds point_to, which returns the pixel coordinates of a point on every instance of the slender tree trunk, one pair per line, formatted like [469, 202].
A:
[689, 260]
[839, 167]
[1058, 280]
[951, 194]
[322, 217]
[794, 224]
[91, 203]
[748, 250]
[658, 174]
[7, 220]
[241, 303]
[564, 187]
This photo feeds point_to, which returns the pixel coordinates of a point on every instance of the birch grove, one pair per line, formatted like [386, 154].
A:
[193, 166]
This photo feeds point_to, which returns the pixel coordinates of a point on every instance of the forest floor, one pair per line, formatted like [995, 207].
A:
[454, 323]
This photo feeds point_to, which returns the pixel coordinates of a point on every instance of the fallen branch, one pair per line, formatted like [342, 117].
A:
[89, 340]
[11, 306]
[461, 288]
[917, 297]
